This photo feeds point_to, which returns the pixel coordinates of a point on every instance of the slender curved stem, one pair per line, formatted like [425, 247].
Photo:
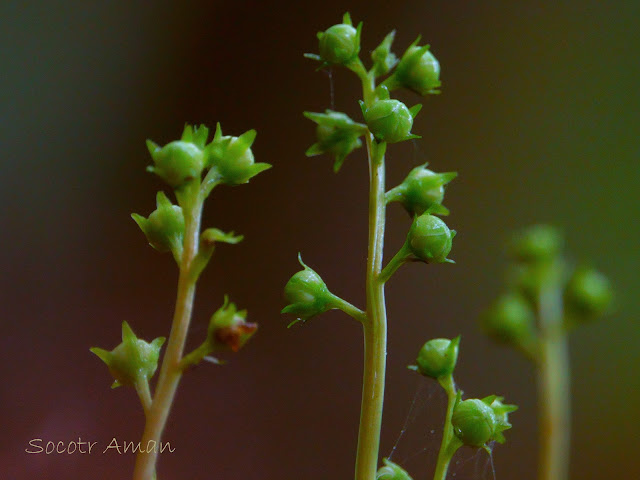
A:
[142, 388]
[450, 443]
[171, 371]
[553, 389]
[394, 264]
[348, 308]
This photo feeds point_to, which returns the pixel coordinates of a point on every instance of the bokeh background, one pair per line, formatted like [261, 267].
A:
[538, 114]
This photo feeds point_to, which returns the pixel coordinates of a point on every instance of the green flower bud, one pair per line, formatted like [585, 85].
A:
[180, 161]
[588, 294]
[383, 59]
[307, 294]
[430, 239]
[390, 120]
[510, 320]
[133, 361]
[437, 358]
[418, 70]
[392, 471]
[529, 279]
[474, 422]
[164, 228]
[340, 44]
[422, 191]
[535, 244]
[232, 158]
[228, 328]
[337, 135]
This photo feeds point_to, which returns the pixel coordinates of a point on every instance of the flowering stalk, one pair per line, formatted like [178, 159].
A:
[193, 168]
[545, 303]
[475, 422]
[170, 372]
[386, 121]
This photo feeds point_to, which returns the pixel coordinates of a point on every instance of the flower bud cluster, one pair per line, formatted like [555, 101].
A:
[539, 269]
[182, 161]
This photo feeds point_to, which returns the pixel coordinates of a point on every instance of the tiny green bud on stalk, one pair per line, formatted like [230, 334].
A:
[392, 471]
[340, 44]
[164, 228]
[510, 320]
[228, 328]
[529, 279]
[587, 294]
[422, 191]
[231, 158]
[390, 120]
[177, 162]
[437, 358]
[307, 294]
[539, 243]
[418, 71]
[476, 422]
[383, 59]
[430, 239]
[337, 135]
[133, 361]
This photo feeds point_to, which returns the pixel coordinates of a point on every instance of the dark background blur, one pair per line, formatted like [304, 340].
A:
[538, 114]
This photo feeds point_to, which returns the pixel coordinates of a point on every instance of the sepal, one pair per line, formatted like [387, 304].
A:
[392, 471]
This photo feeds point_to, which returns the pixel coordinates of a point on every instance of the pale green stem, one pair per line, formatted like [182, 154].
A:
[196, 356]
[171, 371]
[375, 325]
[348, 308]
[553, 389]
[142, 388]
[394, 264]
[450, 443]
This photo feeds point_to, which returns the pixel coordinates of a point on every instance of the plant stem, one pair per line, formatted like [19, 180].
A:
[375, 325]
[142, 388]
[171, 371]
[450, 443]
[553, 389]
[394, 264]
[348, 308]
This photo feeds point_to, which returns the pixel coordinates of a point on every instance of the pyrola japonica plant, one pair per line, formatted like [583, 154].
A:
[386, 121]
[546, 299]
[192, 168]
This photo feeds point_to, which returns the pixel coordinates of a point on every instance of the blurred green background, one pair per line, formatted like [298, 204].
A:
[538, 114]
